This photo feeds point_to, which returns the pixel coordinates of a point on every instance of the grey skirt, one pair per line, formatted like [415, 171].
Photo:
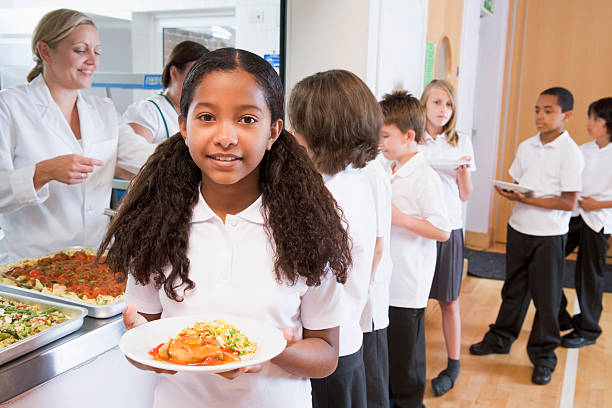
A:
[446, 283]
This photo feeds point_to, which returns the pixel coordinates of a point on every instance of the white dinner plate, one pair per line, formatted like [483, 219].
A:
[511, 186]
[137, 342]
[447, 164]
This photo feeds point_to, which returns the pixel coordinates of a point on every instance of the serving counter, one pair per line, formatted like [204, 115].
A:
[94, 338]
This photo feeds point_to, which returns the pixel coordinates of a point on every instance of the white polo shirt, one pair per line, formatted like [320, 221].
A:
[376, 310]
[231, 265]
[440, 149]
[162, 122]
[548, 170]
[352, 192]
[597, 184]
[417, 191]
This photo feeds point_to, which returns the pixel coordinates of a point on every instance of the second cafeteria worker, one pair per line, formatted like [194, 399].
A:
[58, 147]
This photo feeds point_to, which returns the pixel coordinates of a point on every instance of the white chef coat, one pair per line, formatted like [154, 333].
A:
[232, 266]
[375, 314]
[548, 169]
[440, 149]
[417, 191]
[351, 190]
[57, 216]
[162, 122]
[597, 184]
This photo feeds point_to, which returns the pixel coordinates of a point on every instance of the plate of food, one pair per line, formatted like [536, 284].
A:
[69, 276]
[504, 185]
[203, 343]
[447, 164]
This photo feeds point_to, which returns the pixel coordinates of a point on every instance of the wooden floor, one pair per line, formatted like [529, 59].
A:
[505, 380]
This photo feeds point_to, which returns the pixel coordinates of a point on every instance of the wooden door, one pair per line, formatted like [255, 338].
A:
[551, 43]
[444, 22]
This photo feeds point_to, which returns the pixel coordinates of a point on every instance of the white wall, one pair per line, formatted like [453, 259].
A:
[402, 35]
[258, 36]
[326, 35]
[487, 114]
[381, 41]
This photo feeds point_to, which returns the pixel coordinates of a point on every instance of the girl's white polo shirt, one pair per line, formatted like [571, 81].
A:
[375, 315]
[352, 192]
[232, 267]
[548, 170]
[597, 184]
[417, 191]
[146, 114]
[440, 149]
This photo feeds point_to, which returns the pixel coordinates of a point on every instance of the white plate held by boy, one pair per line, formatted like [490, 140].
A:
[504, 185]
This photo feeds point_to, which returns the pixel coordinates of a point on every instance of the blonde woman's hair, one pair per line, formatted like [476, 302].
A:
[452, 137]
[52, 28]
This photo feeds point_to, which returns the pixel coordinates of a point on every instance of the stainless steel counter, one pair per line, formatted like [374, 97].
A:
[95, 337]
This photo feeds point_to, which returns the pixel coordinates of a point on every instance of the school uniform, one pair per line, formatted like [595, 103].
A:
[346, 387]
[589, 231]
[58, 215]
[155, 113]
[232, 266]
[446, 284]
[375, 315]
[535, 246]
[417, 191]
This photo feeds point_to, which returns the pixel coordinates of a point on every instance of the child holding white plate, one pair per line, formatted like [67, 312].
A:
[443, 142]
[230, 216]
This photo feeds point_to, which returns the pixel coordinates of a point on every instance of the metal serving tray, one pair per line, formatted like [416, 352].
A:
[28, 344]
[97, 311]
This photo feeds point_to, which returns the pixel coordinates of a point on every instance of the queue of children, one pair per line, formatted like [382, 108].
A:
[308, 226]
[318, 238]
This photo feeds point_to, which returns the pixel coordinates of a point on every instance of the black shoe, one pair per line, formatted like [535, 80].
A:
[541, 375]
[575, 340]
[484, 349]
[566, 325]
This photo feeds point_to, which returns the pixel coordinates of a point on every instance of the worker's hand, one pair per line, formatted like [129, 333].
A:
[67, 169]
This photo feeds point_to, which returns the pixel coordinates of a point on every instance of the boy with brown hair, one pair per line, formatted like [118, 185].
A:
[419, 219]
[550, 164]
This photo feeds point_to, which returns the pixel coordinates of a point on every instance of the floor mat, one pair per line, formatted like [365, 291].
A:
[492, 265]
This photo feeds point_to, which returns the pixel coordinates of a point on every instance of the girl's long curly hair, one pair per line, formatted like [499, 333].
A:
[151, 231]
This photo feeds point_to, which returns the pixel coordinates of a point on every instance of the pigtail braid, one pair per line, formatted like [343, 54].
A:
[151, 230]
[301, 216]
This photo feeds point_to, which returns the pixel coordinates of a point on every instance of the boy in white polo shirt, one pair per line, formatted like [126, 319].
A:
[550, 164]
[590, 229]
[418, 220]
[375, 315]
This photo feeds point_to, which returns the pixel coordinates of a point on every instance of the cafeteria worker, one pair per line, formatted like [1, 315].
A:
[59, 147]
[156, 118]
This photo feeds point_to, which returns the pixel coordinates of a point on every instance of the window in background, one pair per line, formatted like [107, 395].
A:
[213, 37]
